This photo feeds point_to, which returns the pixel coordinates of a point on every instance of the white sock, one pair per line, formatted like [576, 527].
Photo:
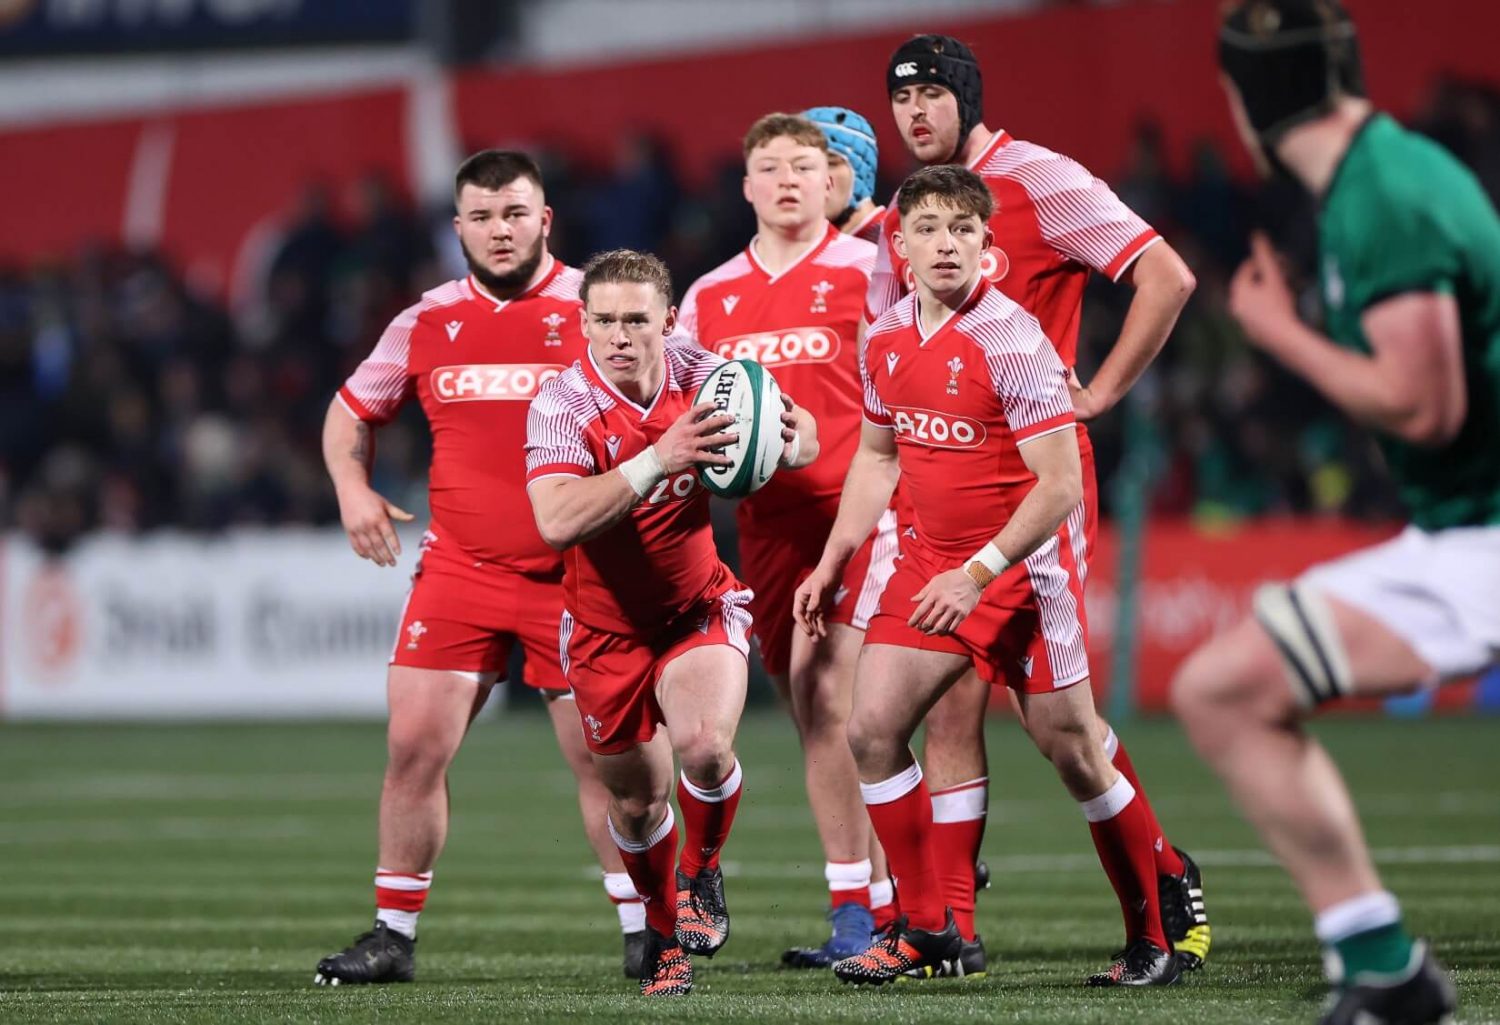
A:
[1356, 915]
[893, 789]
[881, 893]
[627, 902]
[1110, 803]
[843, 876]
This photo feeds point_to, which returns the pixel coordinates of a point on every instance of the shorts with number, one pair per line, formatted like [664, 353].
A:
[1439, 591]
[465, 615]
[776, 562]
[614, 675]
[1029, 630]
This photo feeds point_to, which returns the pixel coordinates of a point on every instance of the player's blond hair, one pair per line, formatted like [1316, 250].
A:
[626, 266]
[778, 125]
[954, 187]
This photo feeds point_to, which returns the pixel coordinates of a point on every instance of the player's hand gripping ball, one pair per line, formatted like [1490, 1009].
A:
[745, 390]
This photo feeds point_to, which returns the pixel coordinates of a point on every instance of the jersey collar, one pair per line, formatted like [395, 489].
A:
[596, 376]
[549, 269]
[970, 301]
[999, 139]
[814, 248]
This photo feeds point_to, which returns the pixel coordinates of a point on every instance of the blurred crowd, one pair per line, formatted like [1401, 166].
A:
[130, 402]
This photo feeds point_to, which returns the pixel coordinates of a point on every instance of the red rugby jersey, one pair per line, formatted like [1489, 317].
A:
[800, 325]
[1054, 222]
[660, 561]
[475, 363]
[960, 402]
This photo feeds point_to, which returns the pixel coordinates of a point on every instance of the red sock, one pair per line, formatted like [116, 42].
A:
[1167, 861]
[848, 882]
[706, 818]
[901, 811]
[957, 831]
[1122, 836]
[884, 907]
[400, 897]
[649, 863]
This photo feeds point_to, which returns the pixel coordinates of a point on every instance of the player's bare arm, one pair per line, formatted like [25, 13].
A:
[1411, 386]
[1163, 284]
[571, 510]
[868, 487]
[348, 452]
[950, 596]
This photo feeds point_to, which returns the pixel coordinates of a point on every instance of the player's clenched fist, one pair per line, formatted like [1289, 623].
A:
[694, 440]
[367, 517]
[944, 602]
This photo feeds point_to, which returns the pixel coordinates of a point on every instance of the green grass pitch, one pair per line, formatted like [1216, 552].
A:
[196, 873]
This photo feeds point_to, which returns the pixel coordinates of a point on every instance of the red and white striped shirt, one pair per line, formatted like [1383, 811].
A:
[961, 401]
[660, 561]
[1053, 223]
[475, 363]
[800, 324]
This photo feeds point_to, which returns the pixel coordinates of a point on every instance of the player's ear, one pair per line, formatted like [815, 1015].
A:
[899, 241]
[989, 237]
[457, 227]
[583, 320]
[670, 323]
[745, 189]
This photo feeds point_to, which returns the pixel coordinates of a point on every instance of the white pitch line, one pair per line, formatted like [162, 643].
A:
[1073, 861]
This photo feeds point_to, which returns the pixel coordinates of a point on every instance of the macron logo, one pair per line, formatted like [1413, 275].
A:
[613, 444]
[906, 69]
[730, 302]
[453, 327]
[890, 362]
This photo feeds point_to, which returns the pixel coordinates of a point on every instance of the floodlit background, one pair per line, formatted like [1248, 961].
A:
[209, 209]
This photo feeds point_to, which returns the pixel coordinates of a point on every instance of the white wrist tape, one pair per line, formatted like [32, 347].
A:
[991, 559]
[643, 472]
[790, 459]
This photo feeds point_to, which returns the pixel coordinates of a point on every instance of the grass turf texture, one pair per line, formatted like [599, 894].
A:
[196, 873]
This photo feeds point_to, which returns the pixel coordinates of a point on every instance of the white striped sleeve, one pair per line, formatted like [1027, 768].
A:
[690, 363]
[1032, 384]
[875, 411]
[382, 383]
[885, 288]
[1081, 217]
[555, 444]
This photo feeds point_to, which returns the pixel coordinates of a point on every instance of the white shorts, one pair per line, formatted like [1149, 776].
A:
[1439, 592]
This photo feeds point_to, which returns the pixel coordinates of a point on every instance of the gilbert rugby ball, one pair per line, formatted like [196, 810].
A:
[747, 391]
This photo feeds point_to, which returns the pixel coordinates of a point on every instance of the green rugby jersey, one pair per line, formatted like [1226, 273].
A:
[1403, 215]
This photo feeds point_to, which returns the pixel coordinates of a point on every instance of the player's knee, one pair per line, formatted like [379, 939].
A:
[1194, 686]
[413, 760]
[1075, 754]
[637, 812]
[867, 738]
[707, 755]
[822, 718]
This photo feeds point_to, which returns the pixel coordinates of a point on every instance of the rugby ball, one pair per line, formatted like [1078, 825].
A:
[746, 391]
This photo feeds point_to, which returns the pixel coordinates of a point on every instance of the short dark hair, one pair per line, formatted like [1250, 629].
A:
[495, 169]
[626, 266]
[957, 188]
[793, 126]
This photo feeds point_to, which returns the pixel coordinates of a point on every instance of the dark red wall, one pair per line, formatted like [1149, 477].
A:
[1075, 79]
